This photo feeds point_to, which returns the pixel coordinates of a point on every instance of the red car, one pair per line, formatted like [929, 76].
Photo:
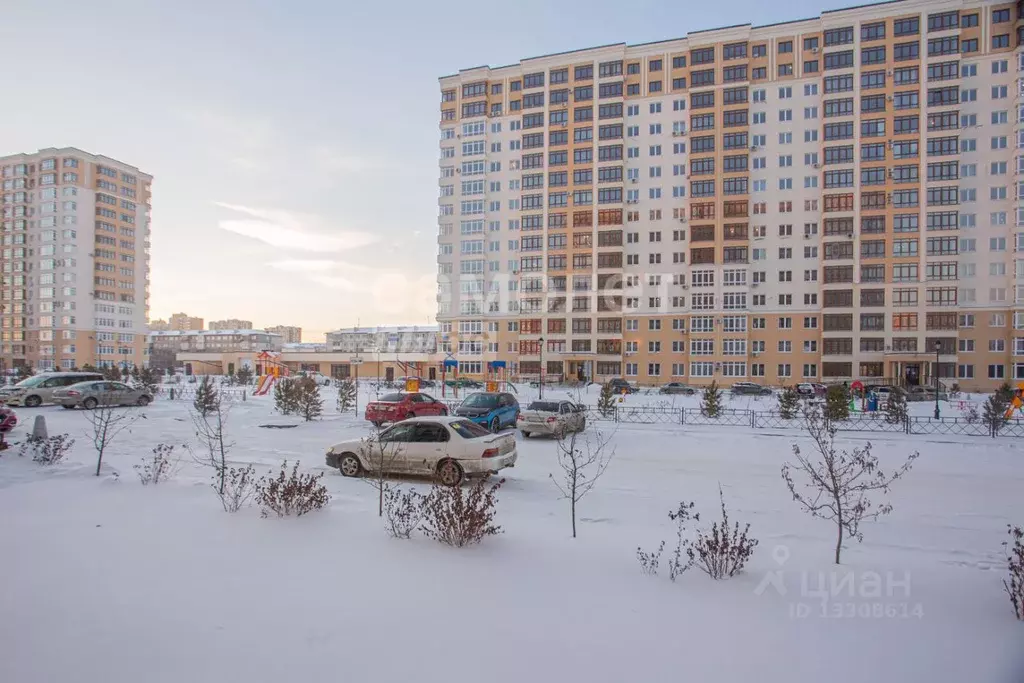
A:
[397, 407]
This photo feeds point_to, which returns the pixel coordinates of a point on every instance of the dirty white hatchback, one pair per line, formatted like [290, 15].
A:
[448, 448]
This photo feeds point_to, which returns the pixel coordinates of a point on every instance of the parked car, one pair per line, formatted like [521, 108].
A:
[552, 417]
[400, 381]
[402, 406]
[621, 386]
[677, 388]
[449, 448]
[37, 390]
[493, 410]
[317, 377]
[464, 383]
[925, 393]
[749, 389]
[88, 395]
[811, 389]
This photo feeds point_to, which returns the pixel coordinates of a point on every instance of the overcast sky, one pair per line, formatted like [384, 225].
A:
[294, 144]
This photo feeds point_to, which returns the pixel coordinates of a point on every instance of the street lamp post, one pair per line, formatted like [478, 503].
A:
[540, 375]
[938, 347]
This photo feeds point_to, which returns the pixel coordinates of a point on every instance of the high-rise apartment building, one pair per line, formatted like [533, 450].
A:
[231, 324]
[828, 199]
[289, 334]
[183, 322]
[76, 235]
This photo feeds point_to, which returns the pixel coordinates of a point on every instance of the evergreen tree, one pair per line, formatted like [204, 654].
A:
[111, 373]
[147, 379]
[307, 398]
[135, 375]
[244, 375]
[837, 402]
[285, 396]
[606, 401]
[88, 367]
[346, 395]
[711, 401]
[994, 411]
[206, 397]
[125, 373]
[789, 403]
[896, 406]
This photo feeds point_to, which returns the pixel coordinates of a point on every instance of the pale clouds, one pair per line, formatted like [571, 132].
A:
[240, 131]
[333, 161]
[288, 230]
[303, 265]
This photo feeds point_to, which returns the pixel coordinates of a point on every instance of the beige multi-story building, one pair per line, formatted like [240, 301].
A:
[159, 325]
[183, 322]
[76, 236]
[290, 334]
[829, 199]
[231, 324]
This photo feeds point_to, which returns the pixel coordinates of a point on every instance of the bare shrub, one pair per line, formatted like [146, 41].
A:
[47, 451]
[108, 421]
[403, 510]
[158, 467]
[837, 484]
[291, 494]
[239, 488]
[682, 556]
[458, 517]
[722, 551]
[1015, 564]
[649, 561]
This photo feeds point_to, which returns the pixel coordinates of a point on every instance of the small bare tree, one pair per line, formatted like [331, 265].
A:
[160, 466]
[107, 421]
[382, 456]
[583, 458]
[838, 484]
[1014, 587]
[211, 428]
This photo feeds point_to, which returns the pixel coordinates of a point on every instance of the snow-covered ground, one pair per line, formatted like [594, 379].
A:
[104, 580]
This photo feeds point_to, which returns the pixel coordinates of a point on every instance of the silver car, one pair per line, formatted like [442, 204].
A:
[89, 395]
[552, 417]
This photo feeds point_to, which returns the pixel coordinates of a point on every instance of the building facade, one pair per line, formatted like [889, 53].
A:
[230, 324]
[76, 236]
[828, 199]
[166, 346]
[412, 339]
[183, 322]
[290, 334]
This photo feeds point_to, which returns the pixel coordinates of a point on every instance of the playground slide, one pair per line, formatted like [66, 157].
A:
[265, 383]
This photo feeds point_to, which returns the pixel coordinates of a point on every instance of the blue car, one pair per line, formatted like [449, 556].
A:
[493, 410]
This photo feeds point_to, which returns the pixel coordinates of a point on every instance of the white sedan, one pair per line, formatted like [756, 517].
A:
[552, 417]
[449, 448]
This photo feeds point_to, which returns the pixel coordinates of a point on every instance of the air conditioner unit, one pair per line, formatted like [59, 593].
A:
[682, 219]
[888, 98]
[807, 237]
[814, 50]
[889, 72]
[754, 285]
[816, 165]
[753, 148]
[633, 180]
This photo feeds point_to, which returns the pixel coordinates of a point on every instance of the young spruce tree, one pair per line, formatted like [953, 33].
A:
[206, 397]
[789, 403]
[606, 401]
[307, 398]
[711, 402]
[896, 406]
[837, 402]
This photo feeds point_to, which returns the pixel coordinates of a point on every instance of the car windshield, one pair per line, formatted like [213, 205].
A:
[32, 381]
[481, 401]
[467, 429]
[391, 398]
[544, 406]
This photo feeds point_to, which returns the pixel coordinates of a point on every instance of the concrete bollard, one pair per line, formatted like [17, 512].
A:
[172, 393]
[244, 392]
[39, 428]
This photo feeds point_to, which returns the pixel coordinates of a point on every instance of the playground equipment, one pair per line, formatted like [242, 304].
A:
[1017, 402]
[270, 370]
[497, 378]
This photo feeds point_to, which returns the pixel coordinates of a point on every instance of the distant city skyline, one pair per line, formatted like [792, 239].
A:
[295, 172]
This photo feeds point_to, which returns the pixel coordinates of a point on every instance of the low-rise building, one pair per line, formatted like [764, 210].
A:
[391, 340]
[237, 346]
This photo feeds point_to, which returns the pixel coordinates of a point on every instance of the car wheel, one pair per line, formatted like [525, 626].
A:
[526, 435]
[449, 473]
[68, 407]
[350, 465]
[495, 425]
[33, 402]
[142, 402]
[90, 403]
[444, 412]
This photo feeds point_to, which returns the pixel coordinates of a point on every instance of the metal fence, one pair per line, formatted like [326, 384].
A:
[725, 417]
[189, 393]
